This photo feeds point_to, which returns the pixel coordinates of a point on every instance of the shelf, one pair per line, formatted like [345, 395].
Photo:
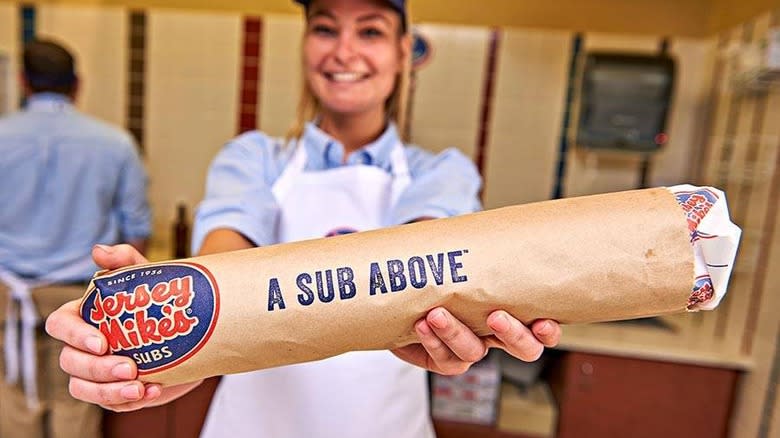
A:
[759, 80]
[650, 341]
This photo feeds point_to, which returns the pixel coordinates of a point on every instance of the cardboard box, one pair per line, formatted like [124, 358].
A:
[528, 410]
[471, 397]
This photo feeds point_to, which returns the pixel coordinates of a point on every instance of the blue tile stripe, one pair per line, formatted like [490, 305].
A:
[576, 47]
[28, 23]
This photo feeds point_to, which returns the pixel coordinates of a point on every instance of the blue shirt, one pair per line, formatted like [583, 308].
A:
[67, 182]
[238, 188]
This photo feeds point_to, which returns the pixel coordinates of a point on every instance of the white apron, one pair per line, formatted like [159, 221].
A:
[354, 395]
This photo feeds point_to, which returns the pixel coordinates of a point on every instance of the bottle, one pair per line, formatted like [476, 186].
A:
[181, 233]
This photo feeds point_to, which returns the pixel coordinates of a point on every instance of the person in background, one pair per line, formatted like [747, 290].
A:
[344, 168]
[67, 183]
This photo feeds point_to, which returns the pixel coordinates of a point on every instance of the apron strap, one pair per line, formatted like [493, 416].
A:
[399, 167]
[296, 165]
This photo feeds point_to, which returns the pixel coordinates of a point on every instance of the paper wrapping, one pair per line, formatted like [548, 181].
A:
[596, 258]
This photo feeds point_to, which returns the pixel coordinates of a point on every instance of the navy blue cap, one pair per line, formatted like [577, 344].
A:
[398, 5]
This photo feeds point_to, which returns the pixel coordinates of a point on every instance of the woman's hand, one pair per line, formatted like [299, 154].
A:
[105, 380]
[448, 347]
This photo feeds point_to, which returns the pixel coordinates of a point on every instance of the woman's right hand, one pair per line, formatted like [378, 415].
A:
[95, 377]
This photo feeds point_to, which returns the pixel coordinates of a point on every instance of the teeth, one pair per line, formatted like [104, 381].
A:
[346, 77]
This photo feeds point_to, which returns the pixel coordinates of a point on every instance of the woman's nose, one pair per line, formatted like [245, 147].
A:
[345, 48]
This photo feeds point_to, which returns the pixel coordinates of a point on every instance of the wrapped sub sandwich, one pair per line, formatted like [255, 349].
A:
[595, 258]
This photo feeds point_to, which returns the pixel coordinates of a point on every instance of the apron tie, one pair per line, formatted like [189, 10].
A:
[24, 359]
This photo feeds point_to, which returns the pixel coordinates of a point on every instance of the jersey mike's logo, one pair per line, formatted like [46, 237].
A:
[157, 315]
[703, 291]
[696, 205]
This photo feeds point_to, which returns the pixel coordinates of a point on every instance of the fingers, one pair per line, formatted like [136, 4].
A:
[547, 331]
[447, 346]
[116, 396]
[66, 325]
[117, 256]
[461, 340]
[517, 339]
[416, 355]
[99, 369]
[450, 346]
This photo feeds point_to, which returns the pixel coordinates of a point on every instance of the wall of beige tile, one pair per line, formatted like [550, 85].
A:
[528, 106]
[98, 36]
[9, 46]
[281, 73]
[191, 105]
[448, 89]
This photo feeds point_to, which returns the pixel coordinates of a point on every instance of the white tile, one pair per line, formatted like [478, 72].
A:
[522, 154]
[9, 47]
[447, 102]
[281, 73]
[192, 91]
[98, 38]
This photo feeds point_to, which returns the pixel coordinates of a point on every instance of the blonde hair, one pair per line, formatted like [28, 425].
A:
[395, 106]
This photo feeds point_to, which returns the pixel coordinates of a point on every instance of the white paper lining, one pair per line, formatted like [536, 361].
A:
[714, 237]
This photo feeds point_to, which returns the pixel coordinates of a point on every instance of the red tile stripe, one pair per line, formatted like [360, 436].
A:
[136, 83]
[249, 96]
[487, 101]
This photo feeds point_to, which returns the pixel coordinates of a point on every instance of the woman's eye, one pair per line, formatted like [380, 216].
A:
[371, 32]
[320, 29]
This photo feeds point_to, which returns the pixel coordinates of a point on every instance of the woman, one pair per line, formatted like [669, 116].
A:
[347, 160]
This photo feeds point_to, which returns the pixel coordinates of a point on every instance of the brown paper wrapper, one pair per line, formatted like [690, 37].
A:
[597, 258]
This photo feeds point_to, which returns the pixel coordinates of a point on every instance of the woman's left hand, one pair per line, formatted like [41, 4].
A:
[447, 346]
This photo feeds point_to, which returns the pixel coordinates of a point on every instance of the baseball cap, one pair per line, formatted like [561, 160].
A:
[398, 5]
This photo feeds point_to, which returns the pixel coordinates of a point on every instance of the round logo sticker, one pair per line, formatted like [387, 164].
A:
[421, 50]
[157, 315]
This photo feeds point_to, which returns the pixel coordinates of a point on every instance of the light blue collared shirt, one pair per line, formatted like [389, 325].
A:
[238, 188]
[67, 182]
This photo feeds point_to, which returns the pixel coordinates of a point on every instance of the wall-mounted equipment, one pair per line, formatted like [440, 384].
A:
[624, 100]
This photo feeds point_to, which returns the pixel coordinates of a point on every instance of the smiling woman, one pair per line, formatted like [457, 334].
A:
[344, 166]
[356, 60]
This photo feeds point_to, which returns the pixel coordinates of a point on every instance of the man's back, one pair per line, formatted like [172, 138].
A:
[67, 182]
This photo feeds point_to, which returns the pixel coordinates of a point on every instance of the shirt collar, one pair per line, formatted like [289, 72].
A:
[48, 102]
[324, 152]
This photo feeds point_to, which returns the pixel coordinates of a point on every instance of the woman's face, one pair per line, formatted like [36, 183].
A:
[353, 52]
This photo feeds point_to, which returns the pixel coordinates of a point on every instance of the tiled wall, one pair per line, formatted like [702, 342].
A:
[448, 89]
[281, 73]
[528, 106]
[186, 82]
[742, 156]
[9, 46]
[192, 81]
[98, 36]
